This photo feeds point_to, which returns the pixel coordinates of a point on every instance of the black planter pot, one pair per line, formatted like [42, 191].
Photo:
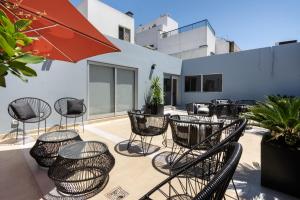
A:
[280, 167]
[157, 109]
[147, 109]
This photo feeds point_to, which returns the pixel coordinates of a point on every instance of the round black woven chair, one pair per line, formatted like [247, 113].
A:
[81, 167]
[61, 107]
[147, 125]
[189, 131]
[228, 134]
[207, 177]
[41, 111]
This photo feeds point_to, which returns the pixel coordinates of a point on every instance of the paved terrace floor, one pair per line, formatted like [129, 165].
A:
[132, 175]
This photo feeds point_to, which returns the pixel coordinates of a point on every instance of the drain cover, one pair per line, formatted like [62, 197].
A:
[117, 193]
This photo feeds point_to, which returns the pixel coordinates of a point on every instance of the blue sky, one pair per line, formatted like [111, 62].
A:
[251, 23]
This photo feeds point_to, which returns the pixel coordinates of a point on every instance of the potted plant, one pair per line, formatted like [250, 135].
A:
[280, 148]
[13, 59]
[156, 98]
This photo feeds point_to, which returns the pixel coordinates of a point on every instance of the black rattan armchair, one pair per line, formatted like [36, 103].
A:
[61, 107]
[228, 134]
[204, 109]
[41, 111]
[146, 125]
[206, 178]
[188, 131]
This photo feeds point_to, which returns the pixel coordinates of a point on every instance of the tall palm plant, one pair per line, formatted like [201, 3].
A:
[281, 115]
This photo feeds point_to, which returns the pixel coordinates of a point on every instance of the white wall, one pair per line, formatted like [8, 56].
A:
[210, 41]
[106, 19]
[251, 74]
[148, 37]
[165, 22]
[83, 8]
[192, 53]
[71, 79]
[222, 46]
[184, 41]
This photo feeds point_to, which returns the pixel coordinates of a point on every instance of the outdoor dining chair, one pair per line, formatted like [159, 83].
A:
[228, 134]
[201, 109]
[207, 177]
[28, 110]
[147, 126]
[189, 130]
[69, 107]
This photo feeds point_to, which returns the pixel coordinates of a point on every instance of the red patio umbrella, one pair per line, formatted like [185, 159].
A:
[62, 32]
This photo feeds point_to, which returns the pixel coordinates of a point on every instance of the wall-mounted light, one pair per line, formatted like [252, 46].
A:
[153, 67]
[151, 71]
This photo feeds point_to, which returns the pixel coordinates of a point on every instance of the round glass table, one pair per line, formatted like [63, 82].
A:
[46, 148]
[81, 167]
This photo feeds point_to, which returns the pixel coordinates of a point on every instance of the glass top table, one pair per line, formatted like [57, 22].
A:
[46, 148]
[83, 149]
[81, 167]
[57, 136]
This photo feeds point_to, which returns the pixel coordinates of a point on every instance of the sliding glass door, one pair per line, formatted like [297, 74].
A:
[124, 90]
[111, 90]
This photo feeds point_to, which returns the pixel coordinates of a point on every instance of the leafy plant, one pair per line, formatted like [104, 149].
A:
[156, 92]
[12, 58]
[281, 115]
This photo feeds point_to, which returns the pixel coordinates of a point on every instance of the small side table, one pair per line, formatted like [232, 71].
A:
[46, 148]
[81, 167]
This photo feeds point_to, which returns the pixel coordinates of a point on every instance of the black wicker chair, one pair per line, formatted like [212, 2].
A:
[41, 109]
[205, 178]
[61, 107]
[228, 134]
[146, 125]
[188, 131]
[244, 105]
[202, 109]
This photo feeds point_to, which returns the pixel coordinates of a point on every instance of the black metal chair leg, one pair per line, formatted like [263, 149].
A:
[39, 128]
[82, 123]
[17, 131]
[129, 141]
[23, 133]
[60, 122]
[236, 193]
[45, 126]
[74, 122]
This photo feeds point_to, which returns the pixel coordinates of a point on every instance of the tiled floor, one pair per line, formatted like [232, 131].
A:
[132, 175]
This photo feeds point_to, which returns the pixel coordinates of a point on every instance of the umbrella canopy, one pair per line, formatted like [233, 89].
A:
[62, 32]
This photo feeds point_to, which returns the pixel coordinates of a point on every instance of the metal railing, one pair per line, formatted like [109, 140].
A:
[188, 28]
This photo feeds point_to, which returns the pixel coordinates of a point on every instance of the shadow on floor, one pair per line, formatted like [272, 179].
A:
[247, 181]
[135, 149]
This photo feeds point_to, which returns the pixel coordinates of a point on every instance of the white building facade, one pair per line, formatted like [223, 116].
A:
[108, 20]
[187, 42]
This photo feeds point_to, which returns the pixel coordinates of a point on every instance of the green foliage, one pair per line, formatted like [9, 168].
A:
[156, 92]
[281, 115]
[12, 59]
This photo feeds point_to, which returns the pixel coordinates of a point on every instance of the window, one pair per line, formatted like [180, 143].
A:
[124, 33]
[212, 83]
[193, 83]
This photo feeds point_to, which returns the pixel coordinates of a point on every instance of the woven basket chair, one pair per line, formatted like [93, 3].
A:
[41, 109]
[61, 108]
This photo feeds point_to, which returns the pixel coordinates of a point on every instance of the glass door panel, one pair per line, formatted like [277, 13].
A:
[125, 90]
[101, 90]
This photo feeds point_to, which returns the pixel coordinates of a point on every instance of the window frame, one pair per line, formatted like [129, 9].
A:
[222, 82]
[201, 82]
[124, 30]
